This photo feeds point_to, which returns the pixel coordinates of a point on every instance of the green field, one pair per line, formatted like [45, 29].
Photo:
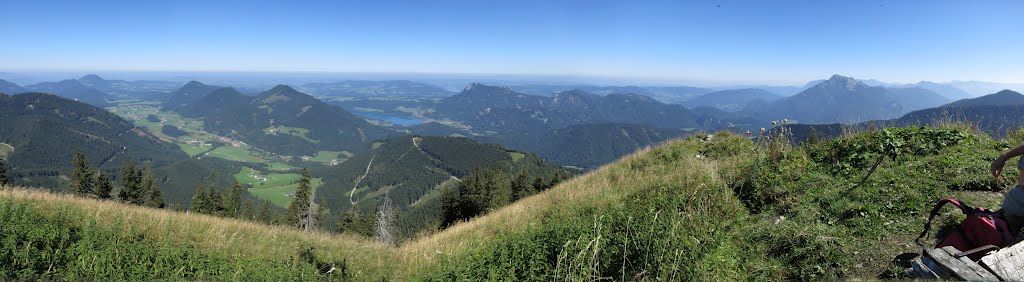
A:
[516, 156]
[327, 156]
[232, 153]
[193, 150]
[276, 186]
[280, 166]
[294, 131]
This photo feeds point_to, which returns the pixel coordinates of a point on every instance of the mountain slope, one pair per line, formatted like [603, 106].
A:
[45, 130]
[282, 120]
[9, 88]
[732, 100]
[73, 89]
[586, 145]
[499, 109]
[188, 94]
[1001, 98]
[413, 170]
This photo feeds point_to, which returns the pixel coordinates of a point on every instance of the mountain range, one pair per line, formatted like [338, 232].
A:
[732, 100]
[844, 99]
[75, 90]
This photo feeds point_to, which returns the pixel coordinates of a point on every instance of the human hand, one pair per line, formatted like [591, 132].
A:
[997, 167]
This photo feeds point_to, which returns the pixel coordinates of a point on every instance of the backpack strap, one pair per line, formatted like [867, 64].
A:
[935, 211]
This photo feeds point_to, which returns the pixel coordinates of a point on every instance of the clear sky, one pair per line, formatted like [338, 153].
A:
[736, 41]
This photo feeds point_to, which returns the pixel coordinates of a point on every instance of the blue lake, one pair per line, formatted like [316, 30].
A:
[405, 121]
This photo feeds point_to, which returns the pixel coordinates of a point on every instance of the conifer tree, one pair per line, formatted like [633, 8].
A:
[300, 205]
[249, 212]
[4, 180]
[151, 194]
[521, 186]
[103, 186]
[212, 199]
[538, 184]
[266, 215]
[81, 175]
[233, 201]
[199, 199]
[499, 188]
[129, 183]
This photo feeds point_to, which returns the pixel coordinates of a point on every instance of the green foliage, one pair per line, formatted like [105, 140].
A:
[103, 186]
[81, 176]
[232, 201]
[300, 206]
[482, 191]
[151, 194]
[3, 173]
[131, 184]
[199, 204]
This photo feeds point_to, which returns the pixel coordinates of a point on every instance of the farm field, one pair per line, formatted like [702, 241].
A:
[275, 188]
[233, 153]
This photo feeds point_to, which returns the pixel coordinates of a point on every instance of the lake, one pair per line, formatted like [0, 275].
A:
[404, 121]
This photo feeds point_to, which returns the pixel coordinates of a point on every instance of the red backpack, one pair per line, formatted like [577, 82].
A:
[982, 230]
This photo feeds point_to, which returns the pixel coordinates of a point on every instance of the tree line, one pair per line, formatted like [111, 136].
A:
[488, 189]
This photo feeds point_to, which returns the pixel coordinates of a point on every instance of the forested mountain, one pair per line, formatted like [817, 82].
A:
[412, 172]
[1001, 98]
[9, 88]
[73, 89]
[367, 88]
[732, 100]
[188, 94]
[283, 121]
[665, 94]
[499, 109]
[844, 99]
[45, 130]
[586, 145]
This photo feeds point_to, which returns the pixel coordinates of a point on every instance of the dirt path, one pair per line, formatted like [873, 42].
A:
[351, 195]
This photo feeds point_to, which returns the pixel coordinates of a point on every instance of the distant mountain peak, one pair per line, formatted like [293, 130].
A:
[91, 77]
[282, 88]
[839, 81]
[1007, 92]
[194, 84]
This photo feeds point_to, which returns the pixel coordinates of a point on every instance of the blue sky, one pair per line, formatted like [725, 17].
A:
[687, 41]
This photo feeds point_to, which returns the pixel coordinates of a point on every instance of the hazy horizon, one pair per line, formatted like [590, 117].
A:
[599, 42]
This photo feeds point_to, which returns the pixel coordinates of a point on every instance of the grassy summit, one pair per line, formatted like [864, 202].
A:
[693, 209]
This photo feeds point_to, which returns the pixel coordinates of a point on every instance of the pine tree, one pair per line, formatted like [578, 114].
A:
[199, 199]
[521, 187]
[451, 207]
[538, 184]
[103, 186]
[266, 216]
[4, 180]
[81, 176]
[300, 205]
[152, 196]
[233, 201]
[212, 199]
[499, 188]
[129, 183]
[249, 212]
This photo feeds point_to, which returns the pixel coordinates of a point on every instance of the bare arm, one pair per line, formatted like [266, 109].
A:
[997, 165]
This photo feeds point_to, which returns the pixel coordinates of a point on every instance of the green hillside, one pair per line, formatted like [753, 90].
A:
[693, 209]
